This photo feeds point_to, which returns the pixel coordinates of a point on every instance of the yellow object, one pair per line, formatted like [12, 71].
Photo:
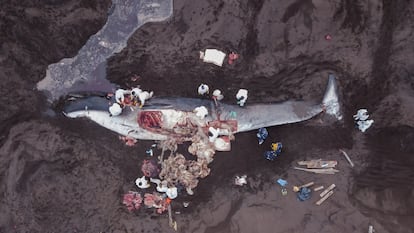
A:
[274, 146]
[295, 189]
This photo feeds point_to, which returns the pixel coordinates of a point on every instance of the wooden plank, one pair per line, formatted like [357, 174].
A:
[318, 188]
[330, 188]
[318, 163]
[307, 185]
[329, 171]
[173, 224]
[324, 198]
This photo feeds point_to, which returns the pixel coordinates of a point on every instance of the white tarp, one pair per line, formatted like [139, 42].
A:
[213, 56]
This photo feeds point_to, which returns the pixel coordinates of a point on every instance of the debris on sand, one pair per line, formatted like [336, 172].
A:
[150, 168]
[326, 194]
[282, 182]
[318, 166]
[304, 194]
[132, 200]
[233, 57]
[155, 200]
[129, 141]
[330, 193]
[327, 190]
[176, 170]
[307, 185]
[318, 188]
[329, 171]
[173, 224]
[347, 157]
[318, 163]
[240, 180]
[213, 56]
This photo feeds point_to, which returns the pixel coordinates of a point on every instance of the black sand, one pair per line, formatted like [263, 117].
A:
[62, 175]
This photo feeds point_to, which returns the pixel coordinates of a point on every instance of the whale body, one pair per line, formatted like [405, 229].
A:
[164, 117]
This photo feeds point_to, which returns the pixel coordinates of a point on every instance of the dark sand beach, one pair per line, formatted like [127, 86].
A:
[64, 175]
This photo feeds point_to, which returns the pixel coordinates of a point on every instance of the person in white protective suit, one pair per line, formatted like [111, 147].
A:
[120, 95]
[213, 134]
[361, 118]
[217, 95]
[141, 95]
[142, 183]
[162, 187]
[203, 89]
[115, 109]
[201, 112]
[241, 97]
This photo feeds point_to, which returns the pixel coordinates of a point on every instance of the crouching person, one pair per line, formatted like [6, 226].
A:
[115, 109]
[141, 95]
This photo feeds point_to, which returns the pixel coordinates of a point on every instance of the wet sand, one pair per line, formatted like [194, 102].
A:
[62, 175]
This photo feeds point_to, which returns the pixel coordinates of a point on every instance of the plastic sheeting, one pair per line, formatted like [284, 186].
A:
[282, 182]
[213, 56]
[304, 194]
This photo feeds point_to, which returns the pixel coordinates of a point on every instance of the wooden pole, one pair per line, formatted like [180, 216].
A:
[347, 157]
[329, 171]
[307, 185]
[318, 188]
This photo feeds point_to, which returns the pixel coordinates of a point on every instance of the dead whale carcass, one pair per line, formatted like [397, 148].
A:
[166, 118]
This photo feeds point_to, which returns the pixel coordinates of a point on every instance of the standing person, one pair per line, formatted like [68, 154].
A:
[217, 95]
[203, 89]
[241, 97]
